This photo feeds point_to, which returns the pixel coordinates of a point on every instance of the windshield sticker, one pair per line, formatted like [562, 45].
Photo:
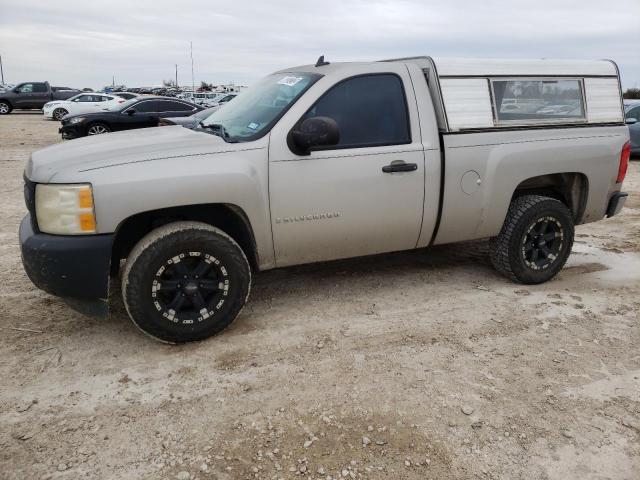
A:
[289, 81]
[253, 126]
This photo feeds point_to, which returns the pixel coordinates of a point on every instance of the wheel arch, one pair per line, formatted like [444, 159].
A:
[227, 217]
[571, 188]
[99, 122]
[8, 102]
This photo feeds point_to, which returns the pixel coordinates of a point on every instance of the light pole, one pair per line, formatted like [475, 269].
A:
[1, 70]
[193, 78]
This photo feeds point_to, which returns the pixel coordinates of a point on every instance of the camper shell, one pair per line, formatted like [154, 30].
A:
[467, 96]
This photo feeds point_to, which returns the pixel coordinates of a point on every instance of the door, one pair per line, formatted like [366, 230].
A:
[362, 196]
[28, 96]
[41, 95]
[139, 115]
[89, 102]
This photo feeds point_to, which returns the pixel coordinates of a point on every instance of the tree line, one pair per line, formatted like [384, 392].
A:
[631, 93]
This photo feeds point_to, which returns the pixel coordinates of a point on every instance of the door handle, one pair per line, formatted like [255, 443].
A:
[399, 166]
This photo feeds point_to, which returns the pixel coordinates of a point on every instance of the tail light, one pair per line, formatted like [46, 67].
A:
[625, 155]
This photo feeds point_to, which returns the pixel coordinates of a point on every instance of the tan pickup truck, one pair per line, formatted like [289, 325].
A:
[327, 161]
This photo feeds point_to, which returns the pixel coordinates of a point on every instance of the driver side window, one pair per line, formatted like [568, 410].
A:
[370, 110]
[26, 88]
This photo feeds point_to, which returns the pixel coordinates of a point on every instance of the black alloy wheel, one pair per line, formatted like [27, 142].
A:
[542, 243]
[535, 241]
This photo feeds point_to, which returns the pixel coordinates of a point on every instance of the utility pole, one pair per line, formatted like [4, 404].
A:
[113, 81]
[193, 78]
[176, 75]
[1, 70]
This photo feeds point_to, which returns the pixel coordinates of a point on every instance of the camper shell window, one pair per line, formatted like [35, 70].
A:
[532, 101]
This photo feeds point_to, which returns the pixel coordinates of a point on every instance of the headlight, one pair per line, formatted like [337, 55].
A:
[65, 209]
[77, 120]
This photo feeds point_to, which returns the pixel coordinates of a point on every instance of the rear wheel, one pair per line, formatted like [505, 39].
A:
[5, 108]
[58, 113]
[185, 281]
[535, 240]
[98, 129]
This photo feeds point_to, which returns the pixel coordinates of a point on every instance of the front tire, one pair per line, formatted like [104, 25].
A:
[185, 281]
[97, 129]
[5, 108]
[535, 240]
[58, 113]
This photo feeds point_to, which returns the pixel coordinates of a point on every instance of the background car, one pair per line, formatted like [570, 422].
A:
[631, 113]
[83, 102]
[222, 99]
[190, 122]
[139, 112]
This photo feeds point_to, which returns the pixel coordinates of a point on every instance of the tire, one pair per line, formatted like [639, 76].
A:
[5, 107]
[58, 113]
[97, 129]
[535, 240]
[163, 304]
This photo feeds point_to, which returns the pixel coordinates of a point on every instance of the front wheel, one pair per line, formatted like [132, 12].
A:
[535, 240]
[98, 129]
[58, 113]
[185, 281]
[5, 108]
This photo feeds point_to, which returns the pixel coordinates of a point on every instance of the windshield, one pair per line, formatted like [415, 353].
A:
[252, 114]
[119, 107]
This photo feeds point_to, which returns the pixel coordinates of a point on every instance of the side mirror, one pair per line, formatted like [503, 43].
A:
[131, 111]
[314, 132]
[631, 121]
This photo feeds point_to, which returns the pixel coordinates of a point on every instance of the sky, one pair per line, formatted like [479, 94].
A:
[85, 44]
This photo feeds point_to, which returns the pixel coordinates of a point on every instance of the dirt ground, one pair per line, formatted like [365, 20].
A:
[419, 365]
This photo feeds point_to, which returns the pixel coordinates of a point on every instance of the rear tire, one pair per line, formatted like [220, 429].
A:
[185, 281]
[97, 129]
[58, 113]
[535, 241]
[5, 108]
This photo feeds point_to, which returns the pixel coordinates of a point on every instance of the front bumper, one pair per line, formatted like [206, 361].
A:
[74, 266]
[70, 132]
[616, 202]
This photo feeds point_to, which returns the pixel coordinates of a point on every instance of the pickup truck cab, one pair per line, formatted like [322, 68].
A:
[32, 95]
[328, 161]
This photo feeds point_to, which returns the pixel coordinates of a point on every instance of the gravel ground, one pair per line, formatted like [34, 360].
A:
[419, 365]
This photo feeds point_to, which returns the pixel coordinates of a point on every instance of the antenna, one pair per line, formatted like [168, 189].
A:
[321, 62]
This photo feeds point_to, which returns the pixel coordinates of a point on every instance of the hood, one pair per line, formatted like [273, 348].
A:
[121, 148]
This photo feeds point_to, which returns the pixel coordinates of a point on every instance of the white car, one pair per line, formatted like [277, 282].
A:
[81, 103]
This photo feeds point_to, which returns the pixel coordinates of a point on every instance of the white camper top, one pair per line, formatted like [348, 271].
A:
[479, 94]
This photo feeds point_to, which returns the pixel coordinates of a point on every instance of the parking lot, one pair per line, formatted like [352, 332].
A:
[416, 365]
